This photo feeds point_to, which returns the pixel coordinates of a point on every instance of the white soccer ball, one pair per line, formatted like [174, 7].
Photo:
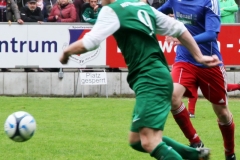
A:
[20, 126]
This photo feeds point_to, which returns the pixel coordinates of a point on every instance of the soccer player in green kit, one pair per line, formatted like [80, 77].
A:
[134, 25]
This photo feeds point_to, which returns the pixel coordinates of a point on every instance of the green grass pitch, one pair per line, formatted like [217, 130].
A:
[97, 129]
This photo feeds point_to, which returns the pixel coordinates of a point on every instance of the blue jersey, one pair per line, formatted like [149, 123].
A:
[198, 16]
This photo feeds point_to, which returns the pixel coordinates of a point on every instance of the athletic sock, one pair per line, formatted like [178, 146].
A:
[164, 152]
[185, 151]
[228, 136]
[233, 87]
[192, 105]
[182, 118]
[138, 146]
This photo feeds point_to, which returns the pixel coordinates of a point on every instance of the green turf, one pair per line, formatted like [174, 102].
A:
[96, 129]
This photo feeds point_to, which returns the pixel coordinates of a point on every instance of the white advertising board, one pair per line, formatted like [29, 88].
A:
[41, 45]
[93, 78]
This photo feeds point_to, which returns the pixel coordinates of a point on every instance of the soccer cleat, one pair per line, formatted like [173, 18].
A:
[204, 153]
[191, 115]
[231, 157]
[197, 145]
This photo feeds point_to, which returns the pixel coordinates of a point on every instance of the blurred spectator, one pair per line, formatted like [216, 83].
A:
[8, 13]
[20, 3]
[49, 8]
[32, 13]
[63, 11]
[228, 9]
[49, 5]
[42, 5]
[91, 11]
[50, 2]
[78, 5]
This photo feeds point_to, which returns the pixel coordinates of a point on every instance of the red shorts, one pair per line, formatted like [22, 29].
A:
[212, 81]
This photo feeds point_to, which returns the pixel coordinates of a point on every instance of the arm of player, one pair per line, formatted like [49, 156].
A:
[232, 8]
[107, 24]
[187, 40]
[171, 27]
[166, 25]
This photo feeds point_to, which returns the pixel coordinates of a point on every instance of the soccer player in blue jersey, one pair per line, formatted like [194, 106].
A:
[202, 19]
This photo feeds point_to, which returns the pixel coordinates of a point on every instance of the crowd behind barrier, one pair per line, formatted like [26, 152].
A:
[84, 11]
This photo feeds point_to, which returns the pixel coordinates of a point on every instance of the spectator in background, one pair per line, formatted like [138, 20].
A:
[91, 12]
[63, 11]
[31, 13]
[78, 5]
[42, 5]
[50, 2]
[228, 9]
[9, 13]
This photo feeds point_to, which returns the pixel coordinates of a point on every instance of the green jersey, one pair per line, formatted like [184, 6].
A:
[134, 26]
[90, 15]
[228, 10]
[137, 23]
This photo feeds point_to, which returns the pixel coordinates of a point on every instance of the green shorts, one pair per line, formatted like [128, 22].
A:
[153, 91]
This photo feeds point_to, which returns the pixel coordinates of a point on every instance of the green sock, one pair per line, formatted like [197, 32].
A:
[185, 151]
[164, 152]
[137, 146]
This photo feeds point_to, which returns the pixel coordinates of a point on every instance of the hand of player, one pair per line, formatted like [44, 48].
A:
[172, 40]
[210, 61]
[64, 58]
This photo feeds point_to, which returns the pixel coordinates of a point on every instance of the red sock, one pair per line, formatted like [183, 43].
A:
[228, 136]
[192, 105]
[233, 87]
[182, 118]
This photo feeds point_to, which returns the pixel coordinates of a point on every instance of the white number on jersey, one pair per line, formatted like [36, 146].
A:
[145, 19]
